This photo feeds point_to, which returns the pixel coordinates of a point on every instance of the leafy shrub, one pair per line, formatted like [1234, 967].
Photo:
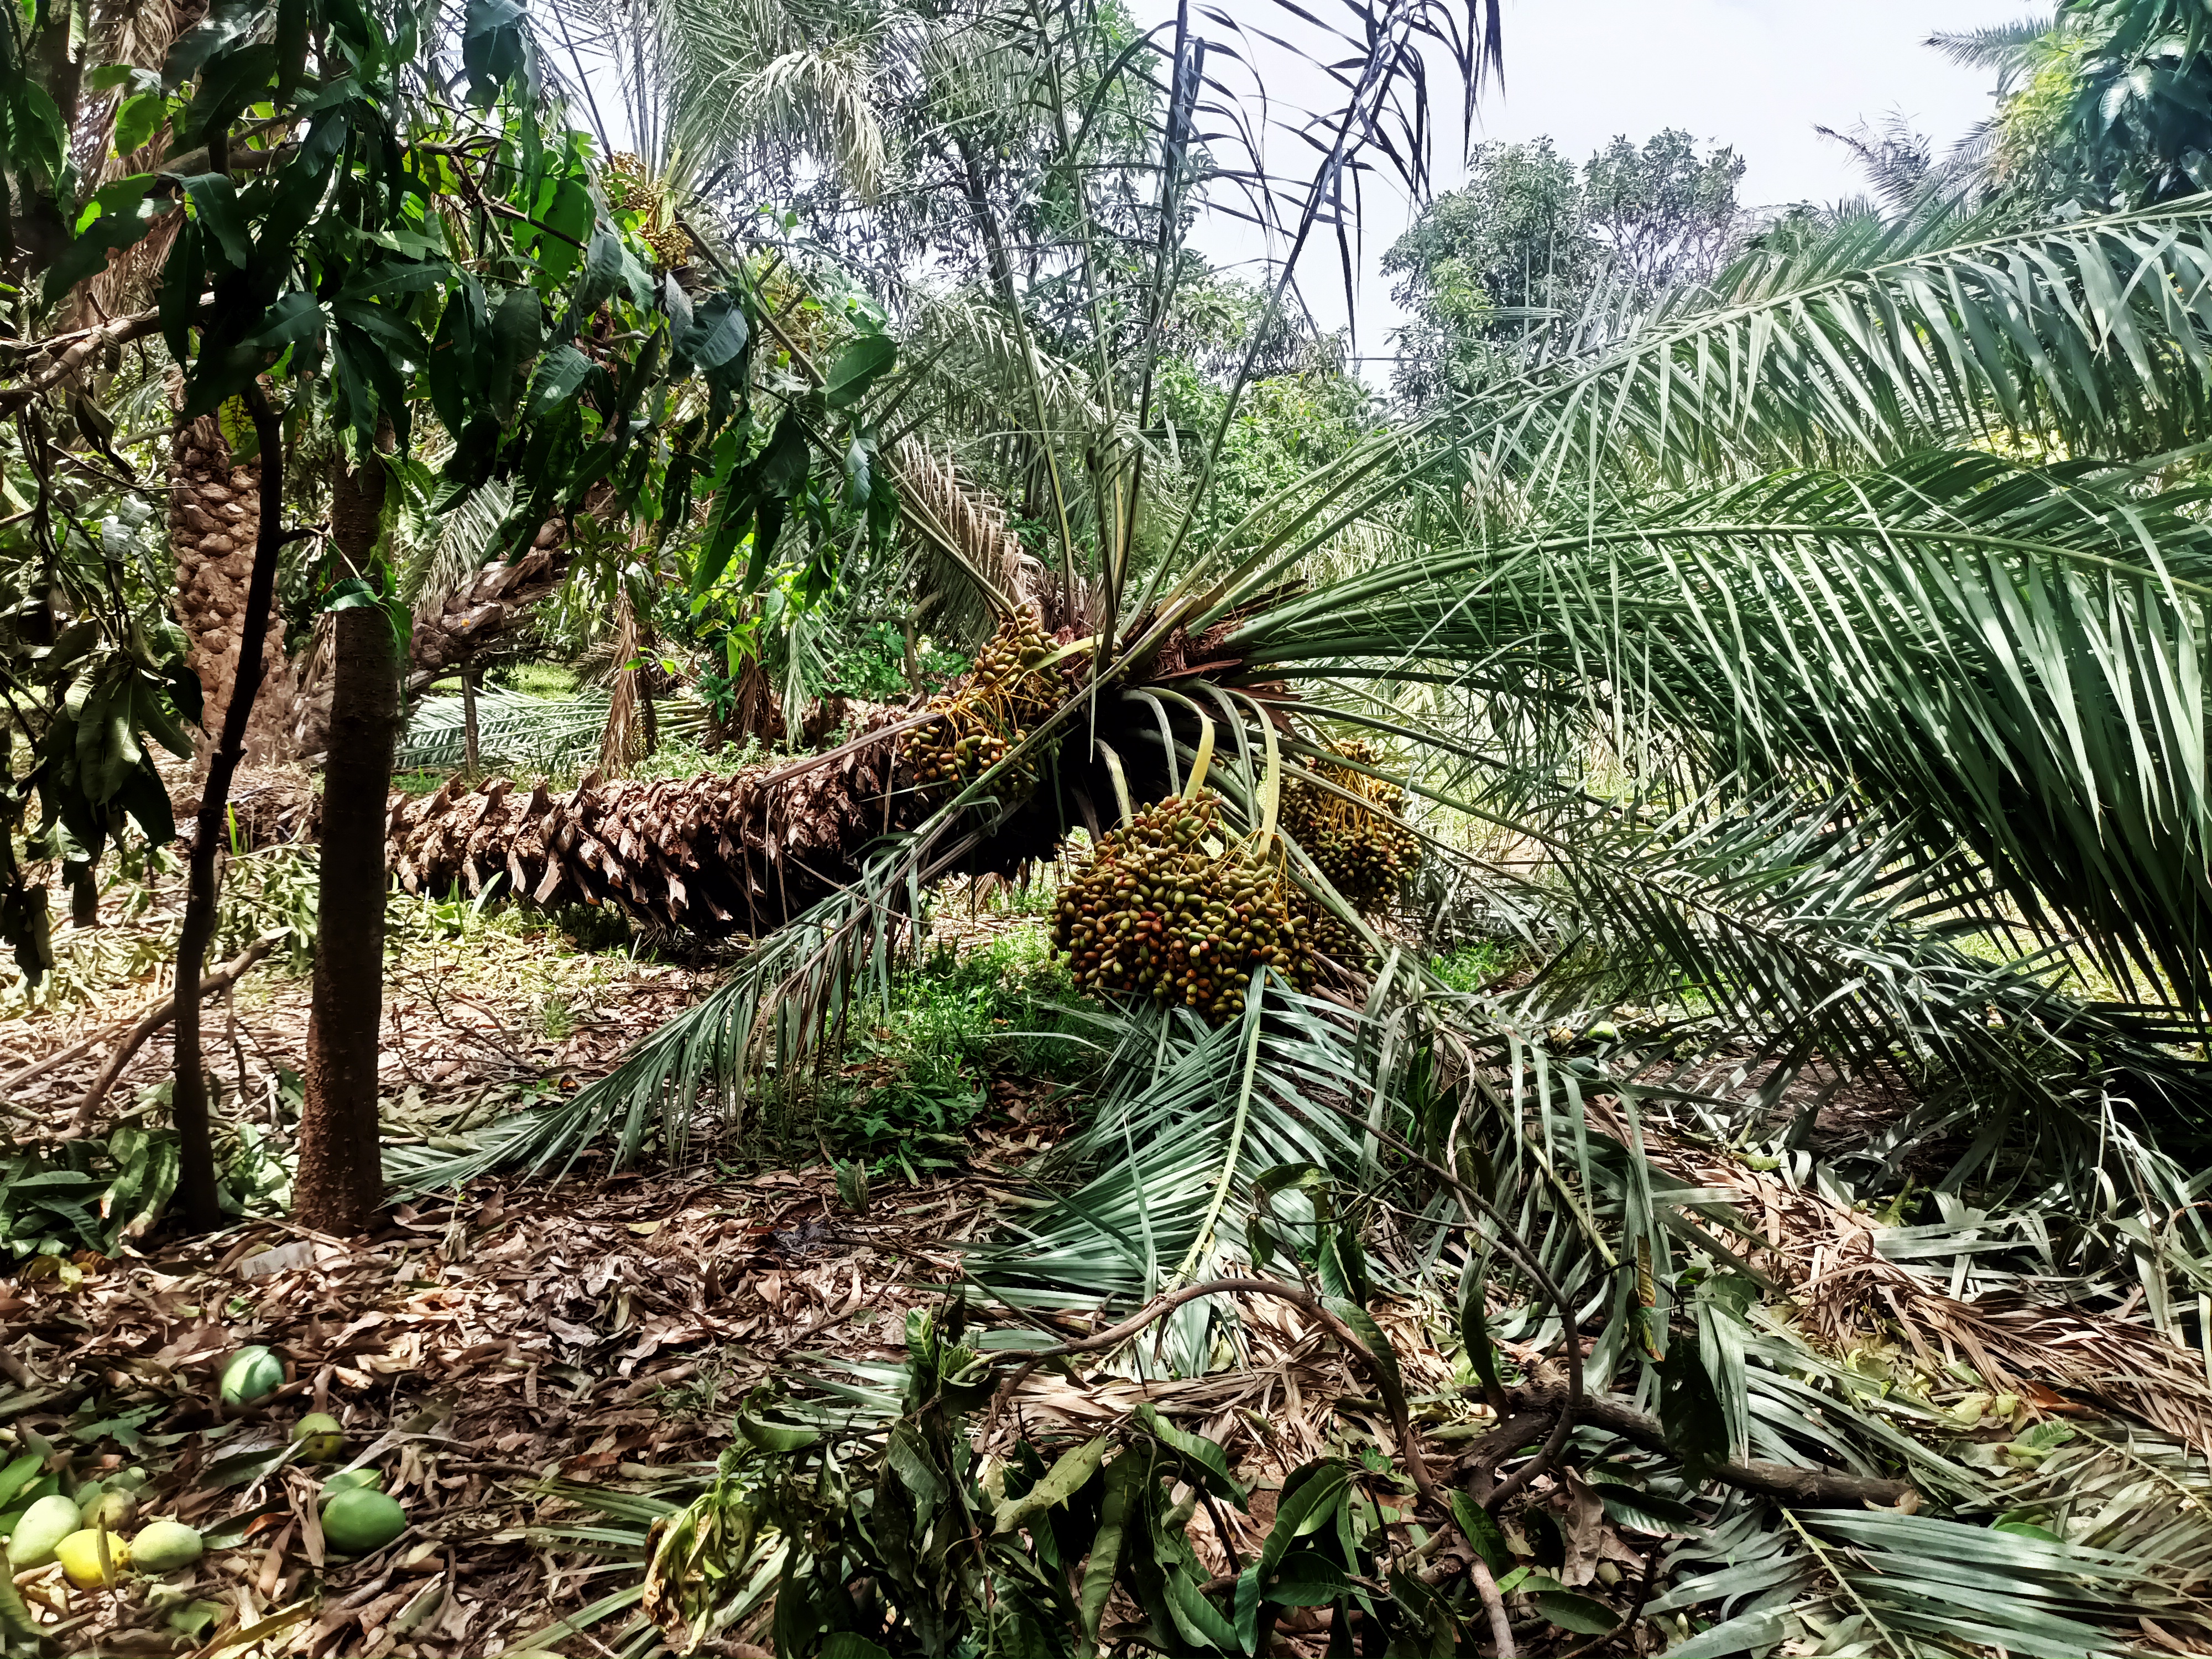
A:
[1471, 967]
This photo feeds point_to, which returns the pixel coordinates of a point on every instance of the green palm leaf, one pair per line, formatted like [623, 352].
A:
[1979, 656]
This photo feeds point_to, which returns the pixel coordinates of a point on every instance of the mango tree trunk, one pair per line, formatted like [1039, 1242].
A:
[340, 1185]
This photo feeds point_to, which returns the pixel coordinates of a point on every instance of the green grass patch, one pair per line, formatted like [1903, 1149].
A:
[549, 680]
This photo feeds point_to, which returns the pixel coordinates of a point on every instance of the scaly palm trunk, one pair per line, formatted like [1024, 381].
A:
[214, 516]
[471, 620]
[711, 854]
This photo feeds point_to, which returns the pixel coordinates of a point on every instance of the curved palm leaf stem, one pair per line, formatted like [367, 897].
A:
[1252, 1018]
[1202, 756]
[1506, 1239]
[1828, 1566]
[1271, 786]
[1167, 736]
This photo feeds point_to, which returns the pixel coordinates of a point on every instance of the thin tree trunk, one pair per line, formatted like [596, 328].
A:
[340, 1185]
[471, 752]
[188, 1100]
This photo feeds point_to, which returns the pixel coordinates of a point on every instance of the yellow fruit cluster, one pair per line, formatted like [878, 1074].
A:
[1361, 846]
[1171, 907]
[631, 188]
[1007, 690]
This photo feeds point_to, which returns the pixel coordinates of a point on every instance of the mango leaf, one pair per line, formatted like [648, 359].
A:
[857, 367]
[1377, 1345]
[136, 118]
[115, 217]
[560, 374]
[19, 1475]
[1690, 1409]
[296, 316]
[227, 23]
[1578, 1614]
[769, 1436]
[516, 334]
[603, 270]
[1474, 1336]
[1198, 1619]
[215, 205]
[1308, 1507]
[494, 48]
[41, 137]
[1306, 1579]
[1069, 1474]
[718, 336]
[1212, 1463]
[1483, 1533]
[1105, 1562]
[182, 278]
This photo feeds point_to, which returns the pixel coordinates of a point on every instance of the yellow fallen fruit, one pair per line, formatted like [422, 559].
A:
[165, 1546]
[319, 1436]
[79, 1555]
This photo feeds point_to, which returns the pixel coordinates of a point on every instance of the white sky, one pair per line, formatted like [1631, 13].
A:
[1756, 74]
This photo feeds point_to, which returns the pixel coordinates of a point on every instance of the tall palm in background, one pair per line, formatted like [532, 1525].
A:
[1835, 636]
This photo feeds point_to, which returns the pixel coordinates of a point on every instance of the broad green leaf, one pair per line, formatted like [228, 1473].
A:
[215, 205]
[1309, 1508]
[559, 374]
[18, 1475]
[857, 367]
[1578, 1614]
[1199, 1619]
[1474, 1333]
[1105, 1559]
[1069, 1474]
[769, 1436]
[1304, 1579]
[1481, 1530]
[719, 335]
[602, 274]
[1377, 1345]
[135, 119]
[1211, 1462]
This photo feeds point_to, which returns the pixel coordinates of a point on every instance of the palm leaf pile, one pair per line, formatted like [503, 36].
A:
[1809, 674]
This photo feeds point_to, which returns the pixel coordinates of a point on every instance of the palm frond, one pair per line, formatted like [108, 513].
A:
[514, 731]
[2011, 661]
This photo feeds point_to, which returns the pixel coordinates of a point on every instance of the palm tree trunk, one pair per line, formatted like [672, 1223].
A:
[196, 1182]
[340, 1184]
[713, 854]
[214, 516]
